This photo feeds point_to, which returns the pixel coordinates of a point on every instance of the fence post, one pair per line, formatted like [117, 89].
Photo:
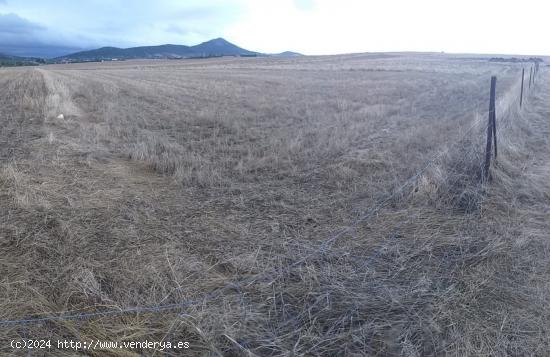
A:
[494, 120]
[521, 94]
[530, 76]
[490, 129]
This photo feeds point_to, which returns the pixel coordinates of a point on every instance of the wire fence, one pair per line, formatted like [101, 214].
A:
[322, 249]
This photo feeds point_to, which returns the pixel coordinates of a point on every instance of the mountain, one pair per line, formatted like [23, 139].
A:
[220, 46]
[215, 47]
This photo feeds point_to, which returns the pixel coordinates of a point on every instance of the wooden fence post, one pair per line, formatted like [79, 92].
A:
[490, 126]
[521, 93]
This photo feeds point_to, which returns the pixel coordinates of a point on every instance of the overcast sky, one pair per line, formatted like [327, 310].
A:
[55, 27]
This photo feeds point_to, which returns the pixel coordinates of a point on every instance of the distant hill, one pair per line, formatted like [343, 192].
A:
[11, 61]
[212, 48]
[4, 56]
[288, 54]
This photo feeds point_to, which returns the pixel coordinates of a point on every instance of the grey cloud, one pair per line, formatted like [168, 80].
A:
[21, 37]
[13, 24]
[123, 23]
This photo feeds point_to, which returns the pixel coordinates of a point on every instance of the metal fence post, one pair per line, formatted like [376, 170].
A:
[521, 93]
[490, 126]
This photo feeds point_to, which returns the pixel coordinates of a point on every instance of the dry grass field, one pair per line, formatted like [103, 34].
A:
[217, 184]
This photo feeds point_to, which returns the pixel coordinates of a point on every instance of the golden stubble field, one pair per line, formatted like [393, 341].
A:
[215, 184]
